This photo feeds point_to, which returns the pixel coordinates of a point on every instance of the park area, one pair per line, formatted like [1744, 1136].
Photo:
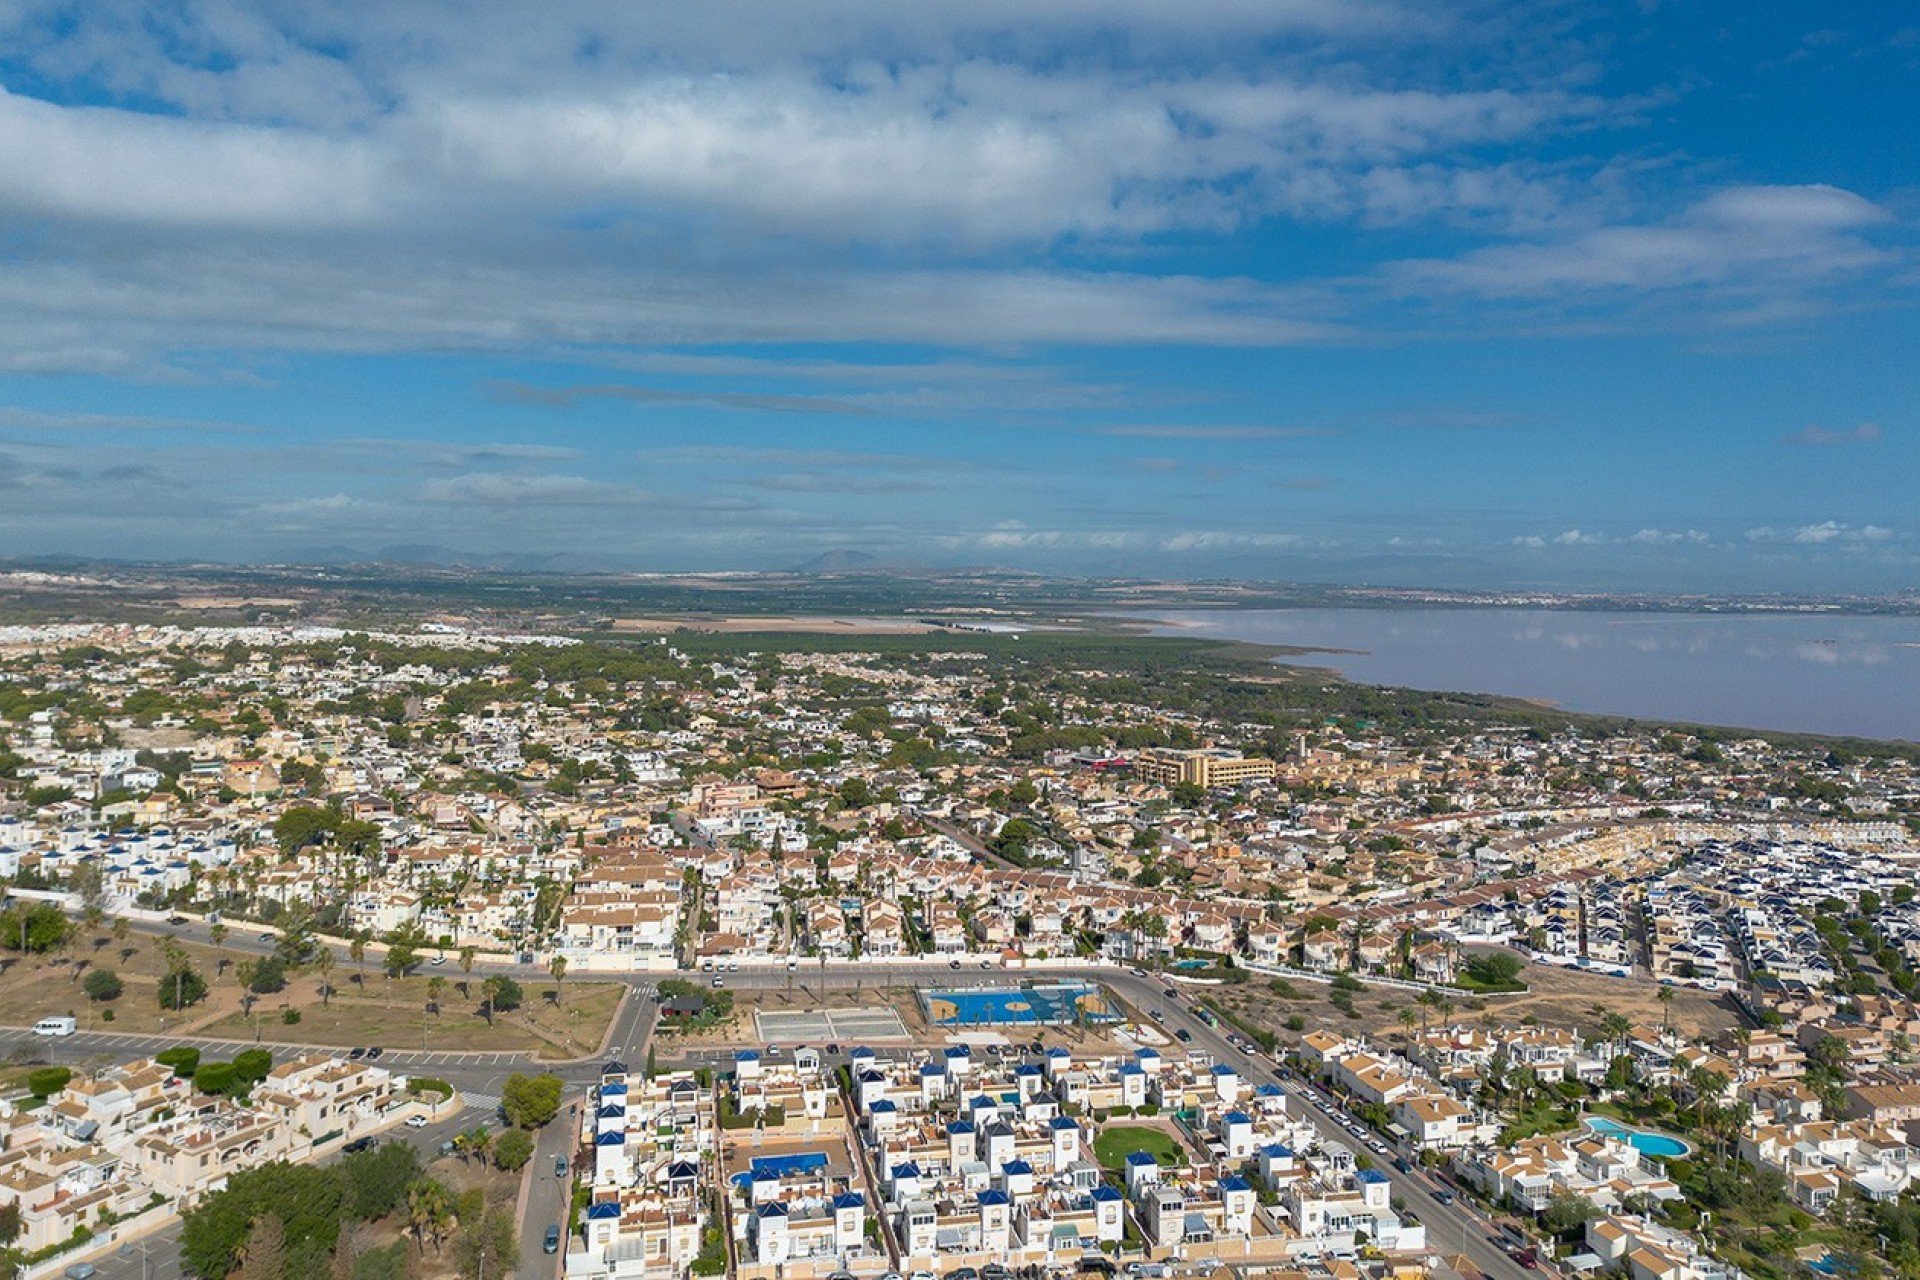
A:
[1118, 1141]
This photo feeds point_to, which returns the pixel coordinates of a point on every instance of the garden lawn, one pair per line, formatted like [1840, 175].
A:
[1117, 1141]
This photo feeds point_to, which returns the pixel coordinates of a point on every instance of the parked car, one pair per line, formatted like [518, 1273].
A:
[416, 1121]
[559, 1166]
[552, 1242]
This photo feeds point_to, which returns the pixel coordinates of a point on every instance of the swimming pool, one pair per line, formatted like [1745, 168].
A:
[781, 1166]
[1054, 1005]
[1647, 1142]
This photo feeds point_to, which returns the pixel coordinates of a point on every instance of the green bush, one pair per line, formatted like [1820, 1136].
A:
[252, 1065]
[47, 1081]
[184, 1060]
[218, 1078]
[102, 985]
[429, 1084]
[290, 1016]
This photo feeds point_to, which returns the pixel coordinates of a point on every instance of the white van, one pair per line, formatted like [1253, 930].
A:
[55, 1027]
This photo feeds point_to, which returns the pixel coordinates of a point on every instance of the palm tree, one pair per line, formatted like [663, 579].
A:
[1615, 1026]
[428, 1212]
[558, 968]
[491, 989]
[1407, 1018]
[468, 954]
[1428, 1001]
[217, 934]
[1665, 996]
[357, 948]
[324, 962]
[436, 990]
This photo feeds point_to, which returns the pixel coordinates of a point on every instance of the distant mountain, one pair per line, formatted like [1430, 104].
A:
[842, 562]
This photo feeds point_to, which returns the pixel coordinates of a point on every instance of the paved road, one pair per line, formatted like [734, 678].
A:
[548, 1194]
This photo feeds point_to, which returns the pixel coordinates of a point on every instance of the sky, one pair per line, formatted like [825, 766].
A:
[1561, 295]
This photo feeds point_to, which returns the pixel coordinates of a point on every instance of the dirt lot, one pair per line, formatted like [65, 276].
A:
[377, 1012]
[35, 987]
[1557, 998]
[395, 1015]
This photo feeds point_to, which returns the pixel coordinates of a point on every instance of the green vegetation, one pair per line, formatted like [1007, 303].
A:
[512, 1150]
[530, 1101]
[308, 1205]
[1118, 1141]
[1494, 971]
[34, 927]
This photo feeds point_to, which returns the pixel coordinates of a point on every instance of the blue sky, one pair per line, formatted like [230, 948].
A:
[1559, 294]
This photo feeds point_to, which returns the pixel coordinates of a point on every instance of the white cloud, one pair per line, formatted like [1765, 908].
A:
[1822, 533]
[1751, 235]
[1813, 434]
[1669, 537]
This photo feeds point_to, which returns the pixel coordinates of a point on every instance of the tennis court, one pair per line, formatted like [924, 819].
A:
[829, 1026]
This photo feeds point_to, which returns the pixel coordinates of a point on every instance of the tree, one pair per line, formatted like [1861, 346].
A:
[1566, 1214]
[489, 1245]
[512, 1150]
[530, 1101]
[301, 825]
[558, 968]
[429, 1212]
[377, 1179]
[34, 928]
[47, 1081]
[472, 1144]
[1665, 996]
[102, 985]
[269, 975]
[264, 1256]
[324, 962]
[182, 987]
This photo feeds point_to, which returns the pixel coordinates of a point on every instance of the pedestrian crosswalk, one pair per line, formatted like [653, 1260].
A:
[485, 1103]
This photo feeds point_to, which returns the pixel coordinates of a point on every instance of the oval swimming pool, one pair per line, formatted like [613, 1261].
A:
[1645, 1141]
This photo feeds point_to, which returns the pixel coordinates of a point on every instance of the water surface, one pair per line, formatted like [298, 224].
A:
[1813, 673]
